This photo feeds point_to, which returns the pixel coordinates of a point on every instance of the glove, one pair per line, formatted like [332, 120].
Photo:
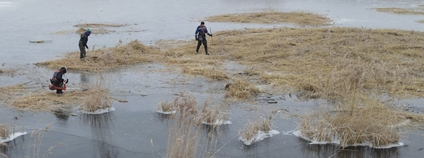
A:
[66, 81]
[196, 38]
[86, 47]
[210, 34]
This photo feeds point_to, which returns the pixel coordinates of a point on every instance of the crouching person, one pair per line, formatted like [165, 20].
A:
[57, 82]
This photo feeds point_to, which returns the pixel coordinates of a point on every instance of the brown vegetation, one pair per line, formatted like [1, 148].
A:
[184, 132]
[410, 11]
[241, 89]
[252, 128]
[272, 17]
[4, 131]
[367, 123]
[106, 58]
[212, 115]
[97, 99]
[165, 107]
[23, 97]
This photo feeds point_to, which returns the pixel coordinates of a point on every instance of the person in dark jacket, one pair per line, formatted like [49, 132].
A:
[83, 43]
[200, 35]
[57, 81]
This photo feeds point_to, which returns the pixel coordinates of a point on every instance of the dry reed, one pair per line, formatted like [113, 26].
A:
[358, 120]
[4, 131]
[165, 107]
[214, 115]
[184, 132]
[268, 17]
[98, 98]
[105, 58]
[253, 128]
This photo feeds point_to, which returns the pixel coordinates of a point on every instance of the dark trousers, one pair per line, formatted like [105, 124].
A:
[205, 44]
[82, 50]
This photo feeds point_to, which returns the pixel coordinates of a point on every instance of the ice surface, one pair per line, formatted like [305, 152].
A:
[12, 136]
[99, 111]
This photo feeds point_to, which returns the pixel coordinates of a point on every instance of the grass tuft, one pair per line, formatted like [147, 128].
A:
[4, 131]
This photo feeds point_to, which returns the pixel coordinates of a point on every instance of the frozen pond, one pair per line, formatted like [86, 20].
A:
[133, 129]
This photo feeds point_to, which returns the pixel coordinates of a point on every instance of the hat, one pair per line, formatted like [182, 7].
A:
[201, 23]
[63, 69]
[88, 32]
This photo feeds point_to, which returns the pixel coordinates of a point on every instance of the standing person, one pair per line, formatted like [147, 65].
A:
[57, 82]
[83, 43]
[200, 35]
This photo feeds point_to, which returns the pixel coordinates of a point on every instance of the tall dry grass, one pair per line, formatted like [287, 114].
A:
[272, 17]
[373, 124]
[98, 98]
[251, 129]
[213, 115]
[105, 58]
[184, 131]
[4, 131]
[165, 107]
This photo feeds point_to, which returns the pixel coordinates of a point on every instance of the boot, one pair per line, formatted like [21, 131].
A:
[206, 50]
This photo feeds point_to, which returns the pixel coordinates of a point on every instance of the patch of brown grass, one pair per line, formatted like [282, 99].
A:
[46, 101]
[105, 58]
[252, 128]
[212, 114]
[272, 17]
[23, 97]
[241, 89]
[4, 131]
[165, 107]
[361, 120]
[11, 91]
[409, 11]
[98, 98]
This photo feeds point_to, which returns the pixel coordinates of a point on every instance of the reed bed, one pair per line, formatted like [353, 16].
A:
[4, 131]
[184, 131]
[214, 115]
[371, 124]
[250, 130]
[105, 58]
[24, 97]
[98, 99]
[46, 101]
[305, 59]
[166, 107]
[272, 17]
[407, 11]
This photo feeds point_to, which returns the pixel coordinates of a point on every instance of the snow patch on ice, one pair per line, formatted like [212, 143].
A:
[336, 141]
[260, 136]
[99, 111]
[12, 136]
[166, 112]
[217, 122]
